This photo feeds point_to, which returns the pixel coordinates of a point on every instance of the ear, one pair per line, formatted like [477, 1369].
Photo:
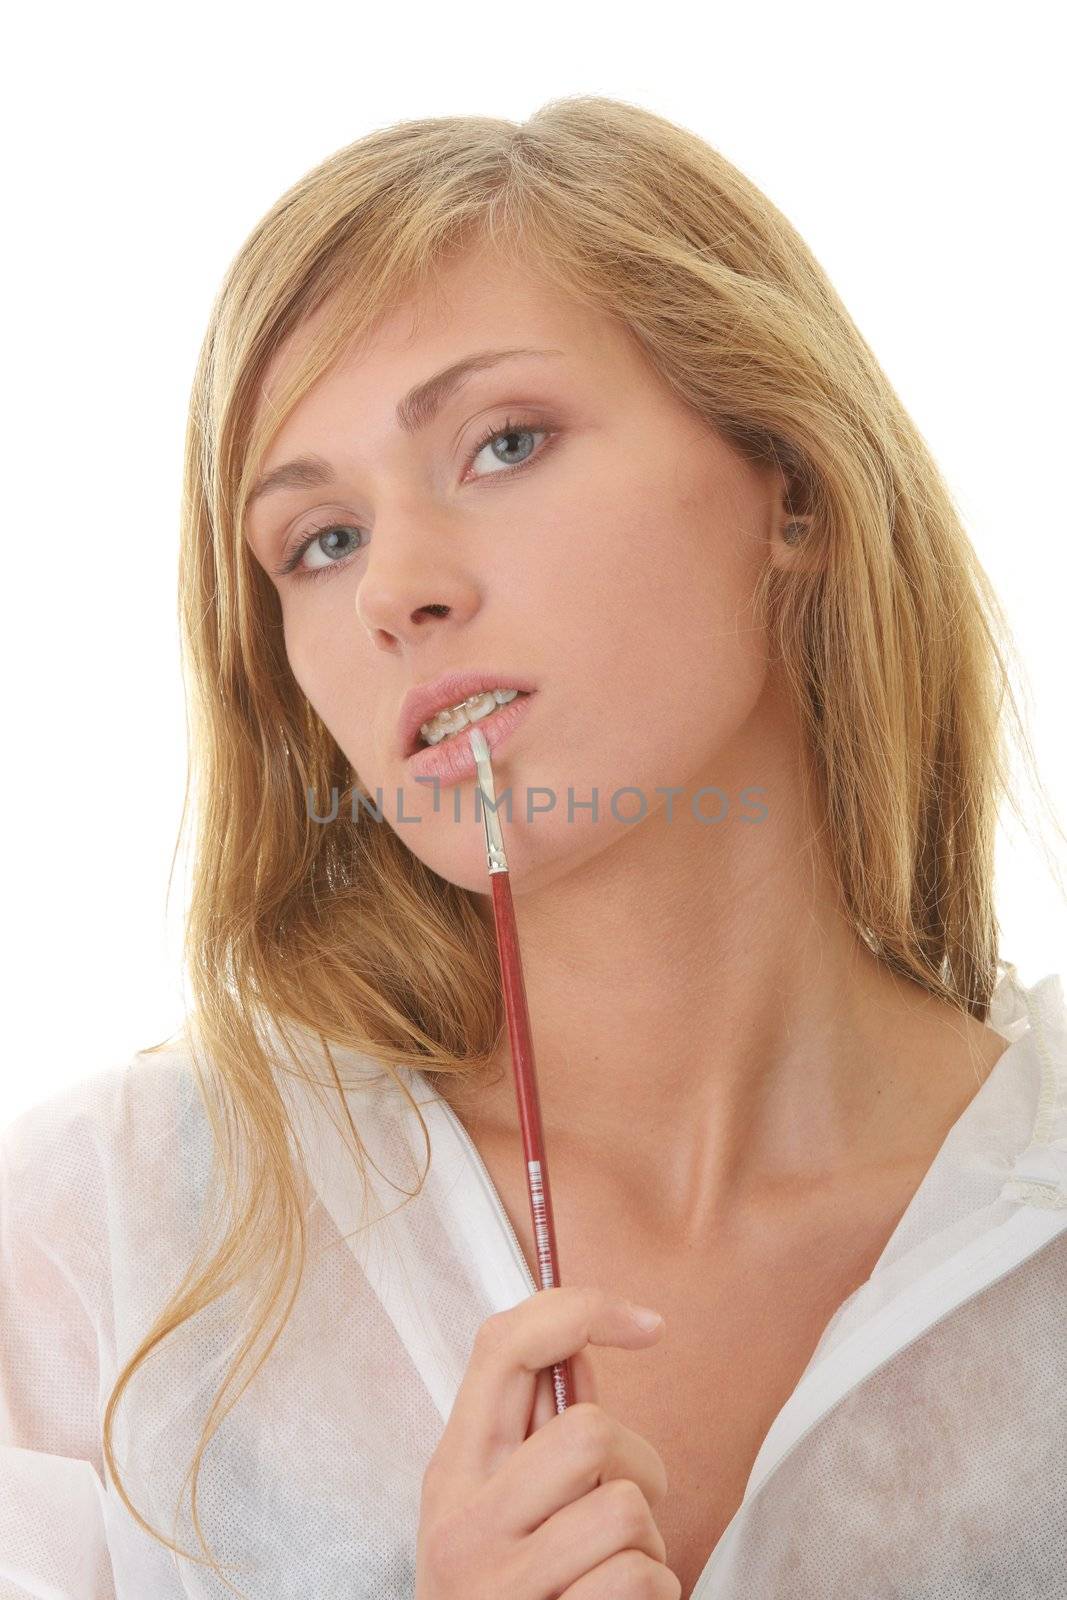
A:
[793, 532]
[793, 544]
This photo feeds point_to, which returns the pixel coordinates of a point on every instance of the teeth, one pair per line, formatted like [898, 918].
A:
[473, 710]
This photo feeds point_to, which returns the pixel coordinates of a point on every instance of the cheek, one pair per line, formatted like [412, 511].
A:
[661, 573]
[663, 622]
[317, 660]
[302, 657]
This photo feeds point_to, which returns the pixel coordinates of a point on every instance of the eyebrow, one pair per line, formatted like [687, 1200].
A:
[415, 412]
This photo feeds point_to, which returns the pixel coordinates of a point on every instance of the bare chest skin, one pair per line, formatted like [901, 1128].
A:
[744, 1312]
[743, 1318]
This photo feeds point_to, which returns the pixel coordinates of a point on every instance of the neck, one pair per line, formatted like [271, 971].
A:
[705, 1022]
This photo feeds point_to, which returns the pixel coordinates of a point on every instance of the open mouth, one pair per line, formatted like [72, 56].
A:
[469, 722]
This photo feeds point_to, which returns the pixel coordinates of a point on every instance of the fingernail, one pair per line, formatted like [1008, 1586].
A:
[644, 1317]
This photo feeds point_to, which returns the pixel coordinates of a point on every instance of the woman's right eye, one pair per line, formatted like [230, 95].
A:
[292, 563]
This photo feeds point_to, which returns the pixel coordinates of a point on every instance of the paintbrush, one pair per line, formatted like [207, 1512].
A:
[522, 1053]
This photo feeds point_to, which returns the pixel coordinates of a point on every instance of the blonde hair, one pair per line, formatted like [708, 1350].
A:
[892, 643]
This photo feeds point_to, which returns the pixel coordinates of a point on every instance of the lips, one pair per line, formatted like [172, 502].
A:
[452, 760]
[425, 700]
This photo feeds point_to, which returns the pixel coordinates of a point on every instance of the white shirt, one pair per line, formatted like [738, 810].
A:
[921, 1456]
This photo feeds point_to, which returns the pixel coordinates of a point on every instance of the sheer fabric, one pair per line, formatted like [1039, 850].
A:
[920, 1457]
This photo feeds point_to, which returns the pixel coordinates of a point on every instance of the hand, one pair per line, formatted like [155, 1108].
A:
[528, 1503]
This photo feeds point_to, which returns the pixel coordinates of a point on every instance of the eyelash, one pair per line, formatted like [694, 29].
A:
[291, 565]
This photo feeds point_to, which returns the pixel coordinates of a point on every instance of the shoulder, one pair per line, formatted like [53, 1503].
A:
[122, 1131]
[98, 1107]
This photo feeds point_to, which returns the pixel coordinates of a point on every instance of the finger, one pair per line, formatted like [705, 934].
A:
[566, 1460]
[589, 1531]
[492, 1410]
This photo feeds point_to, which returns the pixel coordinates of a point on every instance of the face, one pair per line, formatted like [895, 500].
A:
[602, 542]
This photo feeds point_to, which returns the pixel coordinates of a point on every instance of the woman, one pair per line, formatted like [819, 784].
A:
[793, 1097]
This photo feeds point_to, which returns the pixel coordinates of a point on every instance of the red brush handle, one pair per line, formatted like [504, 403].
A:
[522, 1056]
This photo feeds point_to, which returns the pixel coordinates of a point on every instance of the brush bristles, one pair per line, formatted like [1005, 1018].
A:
[481, 753]
[495, 858]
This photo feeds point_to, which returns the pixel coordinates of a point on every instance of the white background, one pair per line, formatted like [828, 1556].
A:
[918, 150]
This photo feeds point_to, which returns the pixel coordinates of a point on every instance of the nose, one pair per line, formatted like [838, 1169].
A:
[411, 585]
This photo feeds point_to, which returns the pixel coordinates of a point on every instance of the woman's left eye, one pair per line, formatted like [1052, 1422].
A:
[510, 430]
[294, 563]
